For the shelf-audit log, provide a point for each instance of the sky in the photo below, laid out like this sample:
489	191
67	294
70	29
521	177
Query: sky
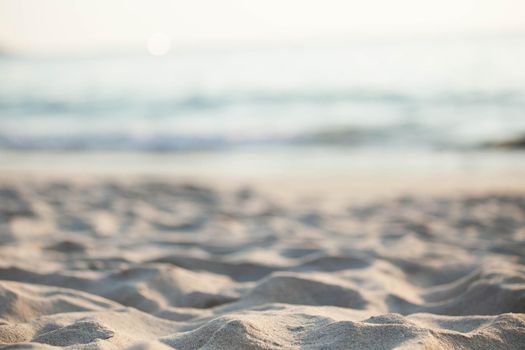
65	26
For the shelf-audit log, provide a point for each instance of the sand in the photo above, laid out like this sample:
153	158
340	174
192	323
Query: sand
158	264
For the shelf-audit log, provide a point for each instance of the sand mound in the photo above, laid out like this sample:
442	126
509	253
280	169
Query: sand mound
157	265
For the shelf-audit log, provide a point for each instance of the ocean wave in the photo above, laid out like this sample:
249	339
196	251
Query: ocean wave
401	136
173	105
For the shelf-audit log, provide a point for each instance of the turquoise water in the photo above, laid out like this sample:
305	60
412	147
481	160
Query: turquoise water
452	95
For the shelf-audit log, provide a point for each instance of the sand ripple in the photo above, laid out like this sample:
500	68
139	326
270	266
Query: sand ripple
156	265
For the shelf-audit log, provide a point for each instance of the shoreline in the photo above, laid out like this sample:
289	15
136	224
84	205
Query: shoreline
362	175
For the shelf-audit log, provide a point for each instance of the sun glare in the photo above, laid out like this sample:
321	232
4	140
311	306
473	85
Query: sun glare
159	44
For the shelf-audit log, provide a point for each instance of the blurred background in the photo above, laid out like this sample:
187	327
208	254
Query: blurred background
263	87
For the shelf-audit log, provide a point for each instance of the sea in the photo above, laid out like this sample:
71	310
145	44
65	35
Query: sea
350	99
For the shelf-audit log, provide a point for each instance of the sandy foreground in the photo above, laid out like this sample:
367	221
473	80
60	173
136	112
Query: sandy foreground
108	263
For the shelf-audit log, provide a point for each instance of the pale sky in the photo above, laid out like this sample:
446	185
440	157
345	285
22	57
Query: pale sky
49	26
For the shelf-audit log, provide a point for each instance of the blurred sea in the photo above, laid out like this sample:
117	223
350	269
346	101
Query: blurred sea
452	95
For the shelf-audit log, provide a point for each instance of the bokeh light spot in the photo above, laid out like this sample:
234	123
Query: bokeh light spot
159	44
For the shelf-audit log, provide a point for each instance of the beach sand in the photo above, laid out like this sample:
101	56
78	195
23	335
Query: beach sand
113	263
